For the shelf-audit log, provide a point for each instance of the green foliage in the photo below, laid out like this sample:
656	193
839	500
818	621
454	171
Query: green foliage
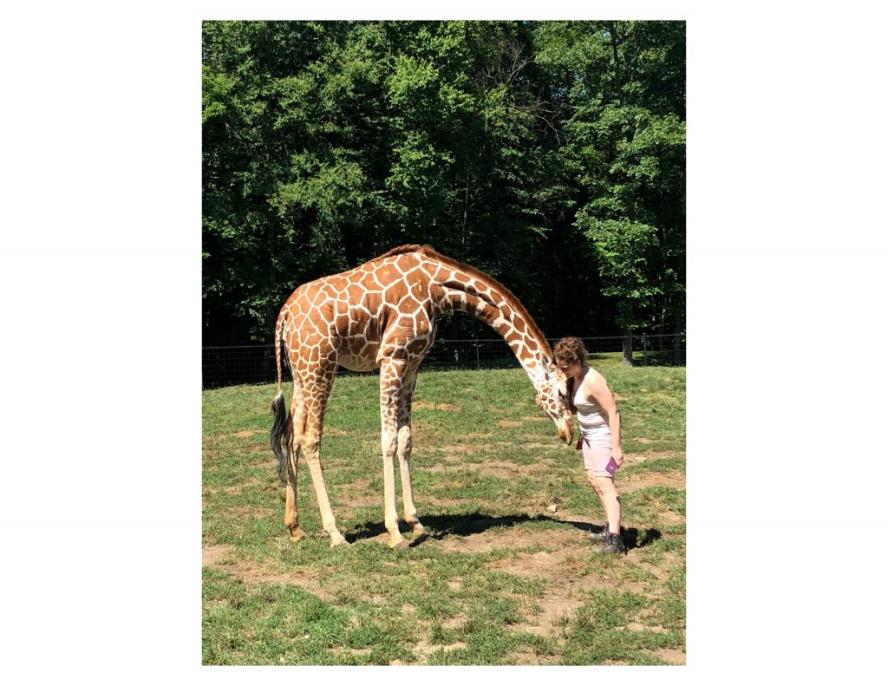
545	153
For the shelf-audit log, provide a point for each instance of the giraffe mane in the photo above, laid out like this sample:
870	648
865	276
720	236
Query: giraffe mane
510	297
402	249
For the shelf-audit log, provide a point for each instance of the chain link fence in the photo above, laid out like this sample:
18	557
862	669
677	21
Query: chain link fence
252	364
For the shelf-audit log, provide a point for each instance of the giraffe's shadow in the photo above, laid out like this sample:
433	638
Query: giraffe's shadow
439	527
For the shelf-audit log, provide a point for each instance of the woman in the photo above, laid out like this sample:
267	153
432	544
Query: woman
596	410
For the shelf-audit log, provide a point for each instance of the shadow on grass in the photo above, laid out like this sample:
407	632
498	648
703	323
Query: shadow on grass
439	527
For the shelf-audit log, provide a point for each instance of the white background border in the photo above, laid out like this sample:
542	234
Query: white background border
100	267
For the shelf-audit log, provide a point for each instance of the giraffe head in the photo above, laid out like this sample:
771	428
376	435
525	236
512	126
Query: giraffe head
551	398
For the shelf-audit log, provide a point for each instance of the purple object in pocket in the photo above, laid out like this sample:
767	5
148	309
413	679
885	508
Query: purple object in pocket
611	466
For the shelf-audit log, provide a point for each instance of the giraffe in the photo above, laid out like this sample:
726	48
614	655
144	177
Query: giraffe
382	314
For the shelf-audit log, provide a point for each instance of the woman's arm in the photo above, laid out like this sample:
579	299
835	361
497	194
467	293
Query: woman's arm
596	388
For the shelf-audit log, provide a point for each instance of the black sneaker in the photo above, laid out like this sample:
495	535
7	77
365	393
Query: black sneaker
595	536
612	543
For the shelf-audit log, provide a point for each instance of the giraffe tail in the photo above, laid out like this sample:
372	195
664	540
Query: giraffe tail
282	428
280	434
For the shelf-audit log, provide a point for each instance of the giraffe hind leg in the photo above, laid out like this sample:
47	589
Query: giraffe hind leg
316	395
294	449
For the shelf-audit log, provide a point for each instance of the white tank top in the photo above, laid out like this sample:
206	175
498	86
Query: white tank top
590	416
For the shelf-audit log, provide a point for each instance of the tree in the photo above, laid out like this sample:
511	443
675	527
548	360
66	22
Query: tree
625	140
549	154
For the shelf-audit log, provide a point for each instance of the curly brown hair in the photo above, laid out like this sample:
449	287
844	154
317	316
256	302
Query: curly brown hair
571	350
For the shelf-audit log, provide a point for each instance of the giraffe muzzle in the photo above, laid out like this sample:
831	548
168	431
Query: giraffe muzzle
565	430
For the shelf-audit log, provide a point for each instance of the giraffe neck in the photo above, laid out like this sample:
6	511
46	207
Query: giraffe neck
469	290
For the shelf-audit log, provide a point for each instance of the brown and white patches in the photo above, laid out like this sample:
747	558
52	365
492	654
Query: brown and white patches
381	312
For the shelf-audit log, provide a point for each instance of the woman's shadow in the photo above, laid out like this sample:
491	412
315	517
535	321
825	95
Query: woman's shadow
440	527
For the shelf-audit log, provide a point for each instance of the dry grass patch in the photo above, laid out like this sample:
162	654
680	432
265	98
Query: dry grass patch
670	655
635	482
254	483
219	557
498	538
449	407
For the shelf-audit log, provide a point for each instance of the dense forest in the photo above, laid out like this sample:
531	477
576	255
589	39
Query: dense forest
549	154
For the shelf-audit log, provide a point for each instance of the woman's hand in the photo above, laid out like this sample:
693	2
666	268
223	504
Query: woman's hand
617	454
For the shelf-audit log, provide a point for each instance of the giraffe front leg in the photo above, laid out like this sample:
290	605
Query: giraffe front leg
405	446
389	448
312	457
391	377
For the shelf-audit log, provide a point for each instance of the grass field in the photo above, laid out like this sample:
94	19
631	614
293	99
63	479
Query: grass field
501	579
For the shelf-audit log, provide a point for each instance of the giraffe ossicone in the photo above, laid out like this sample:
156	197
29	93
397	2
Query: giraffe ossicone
382	314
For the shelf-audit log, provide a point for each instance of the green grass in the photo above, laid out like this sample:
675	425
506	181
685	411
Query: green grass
500	579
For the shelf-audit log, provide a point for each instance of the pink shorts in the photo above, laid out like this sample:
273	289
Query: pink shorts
595	457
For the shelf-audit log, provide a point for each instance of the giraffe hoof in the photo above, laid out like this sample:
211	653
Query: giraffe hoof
296	535
338	541
399	543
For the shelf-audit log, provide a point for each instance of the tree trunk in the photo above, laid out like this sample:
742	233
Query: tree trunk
627	348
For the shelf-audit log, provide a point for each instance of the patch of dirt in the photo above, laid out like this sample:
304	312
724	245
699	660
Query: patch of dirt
498	538
644	457
461	449
672	656
339	651
423	650
525	656
670	518
244	434
220	557
330	431
422	405
249	512
257	484
635	482
563	560
214	554
634	626
358	494
509	423
454	622
498	469
555	610
670	560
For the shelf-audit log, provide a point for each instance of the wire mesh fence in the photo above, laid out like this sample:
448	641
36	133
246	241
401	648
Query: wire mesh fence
251	364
